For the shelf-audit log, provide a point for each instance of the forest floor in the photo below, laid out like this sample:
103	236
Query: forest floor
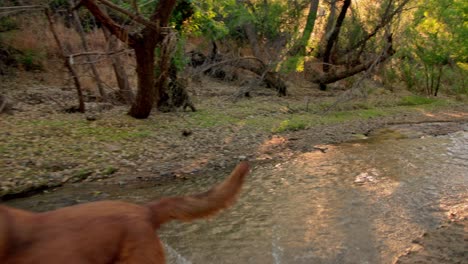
42	146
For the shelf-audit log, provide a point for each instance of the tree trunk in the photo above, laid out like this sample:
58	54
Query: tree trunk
146	95
300	47
328	27
120	74
330	78
251	33
80	31
68	65
252	38
143	42
331	42
439	77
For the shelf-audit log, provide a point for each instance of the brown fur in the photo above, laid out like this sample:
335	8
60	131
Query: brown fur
108	231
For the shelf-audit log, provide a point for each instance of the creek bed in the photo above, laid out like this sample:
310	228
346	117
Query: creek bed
359	202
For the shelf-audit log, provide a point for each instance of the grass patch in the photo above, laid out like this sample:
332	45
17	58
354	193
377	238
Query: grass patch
207	119
110	133
80	129
371	113
416	100
305	121
82	174
109	170
293	124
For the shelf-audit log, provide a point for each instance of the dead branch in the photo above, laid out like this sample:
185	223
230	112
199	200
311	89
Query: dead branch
9	8
333	77
13	10
348	95
251	86
98	53
230	61
386	19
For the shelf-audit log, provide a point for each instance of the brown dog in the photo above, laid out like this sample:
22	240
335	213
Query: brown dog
108	231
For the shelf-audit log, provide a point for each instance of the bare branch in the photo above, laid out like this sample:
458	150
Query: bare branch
386	19
333	77
136	18
205	69
118	30
8	8
98	53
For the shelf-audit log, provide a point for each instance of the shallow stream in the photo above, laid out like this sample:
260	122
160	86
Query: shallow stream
359	202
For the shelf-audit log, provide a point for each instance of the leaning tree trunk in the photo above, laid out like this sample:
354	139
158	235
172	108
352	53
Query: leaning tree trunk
67	62
336	76
300	47
117	64
79	29
125	91
331	42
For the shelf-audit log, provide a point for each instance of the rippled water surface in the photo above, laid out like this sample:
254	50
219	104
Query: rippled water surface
360	202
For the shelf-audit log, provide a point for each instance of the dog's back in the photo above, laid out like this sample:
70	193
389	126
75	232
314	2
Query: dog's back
107	231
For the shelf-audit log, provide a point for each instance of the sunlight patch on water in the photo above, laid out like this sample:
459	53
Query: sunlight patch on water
173	256
276	250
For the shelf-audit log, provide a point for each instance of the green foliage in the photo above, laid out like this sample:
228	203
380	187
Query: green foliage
408	74
7	24
293	64
218	19
455	78
437	37
31	60
183	11
208	19
269	19
179	59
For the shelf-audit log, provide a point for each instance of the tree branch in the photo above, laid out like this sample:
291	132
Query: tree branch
386	19
119	31
8	8
136	18
330	78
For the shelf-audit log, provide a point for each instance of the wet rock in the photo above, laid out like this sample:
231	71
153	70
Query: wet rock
366	177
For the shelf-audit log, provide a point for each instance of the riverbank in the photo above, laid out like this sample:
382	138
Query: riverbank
42	146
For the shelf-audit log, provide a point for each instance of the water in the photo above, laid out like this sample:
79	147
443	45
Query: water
360	202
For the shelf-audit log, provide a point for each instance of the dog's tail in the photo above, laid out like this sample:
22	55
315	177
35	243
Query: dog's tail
187	208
